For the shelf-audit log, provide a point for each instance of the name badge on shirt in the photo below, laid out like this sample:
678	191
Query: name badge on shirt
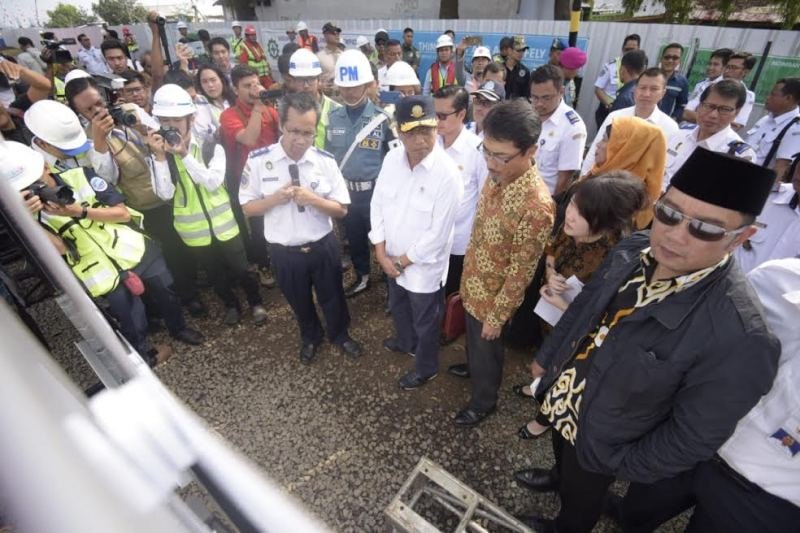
786	440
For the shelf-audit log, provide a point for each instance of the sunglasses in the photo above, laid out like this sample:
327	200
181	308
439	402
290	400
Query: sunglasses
699	229
443	116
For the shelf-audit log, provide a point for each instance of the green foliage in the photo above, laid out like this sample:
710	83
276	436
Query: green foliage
116	12
68	16
678	11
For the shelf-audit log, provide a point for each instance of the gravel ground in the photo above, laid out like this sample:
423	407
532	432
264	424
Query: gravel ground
340	435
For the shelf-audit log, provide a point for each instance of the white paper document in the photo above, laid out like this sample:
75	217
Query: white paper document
552	314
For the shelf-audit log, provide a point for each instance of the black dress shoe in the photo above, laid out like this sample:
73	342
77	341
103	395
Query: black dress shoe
537	523
412	380
470	417
189	336
460	370
393	345
537	479
352	348
517	389
307	353
525	434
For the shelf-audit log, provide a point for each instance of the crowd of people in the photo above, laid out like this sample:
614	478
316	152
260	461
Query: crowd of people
668	245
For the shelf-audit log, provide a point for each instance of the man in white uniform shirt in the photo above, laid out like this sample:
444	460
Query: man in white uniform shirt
776	136
719	105
563	136
298	189
650	89
91	57
714	68
461	145
781	236
413	211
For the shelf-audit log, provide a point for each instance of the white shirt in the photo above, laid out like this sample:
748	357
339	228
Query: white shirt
752	450
561	144
744	113
413	211
767	129
267	170
668	126
682	144
209	177
781	237
93	61
206	118
382	78
700	86
608	79
472	166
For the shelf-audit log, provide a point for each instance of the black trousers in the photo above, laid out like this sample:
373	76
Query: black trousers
319	268
251	229
582	493
158	223
600	114
226	264
418	322
356	227
724	501
454	272
485	360
129	310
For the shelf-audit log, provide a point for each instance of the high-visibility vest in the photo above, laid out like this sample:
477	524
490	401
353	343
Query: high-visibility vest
199	212
261	66
236	45
438	80
60	90
103	248
327	106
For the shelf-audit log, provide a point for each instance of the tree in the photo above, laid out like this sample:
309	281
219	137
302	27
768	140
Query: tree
116	12
68	16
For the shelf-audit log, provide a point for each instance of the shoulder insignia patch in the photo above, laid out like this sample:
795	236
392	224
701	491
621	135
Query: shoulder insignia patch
260	151
578	135
323	152
572	116
98	184
737	147
687	126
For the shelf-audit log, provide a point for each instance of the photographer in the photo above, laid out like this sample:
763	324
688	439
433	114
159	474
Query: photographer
193	177
125	149
100	238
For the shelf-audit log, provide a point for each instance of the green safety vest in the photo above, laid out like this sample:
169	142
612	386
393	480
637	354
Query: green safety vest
103	248
328	105
198	212
236	45
262	67
60	89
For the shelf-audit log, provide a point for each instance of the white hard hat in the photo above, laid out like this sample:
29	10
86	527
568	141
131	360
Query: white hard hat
56	124
444	40
75	74
301	26
181	25
401	74
361	41
20	165
482	51
236	23
352	69
172	101
304	63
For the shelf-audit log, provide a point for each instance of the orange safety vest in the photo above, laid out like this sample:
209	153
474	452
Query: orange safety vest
438	81
309	44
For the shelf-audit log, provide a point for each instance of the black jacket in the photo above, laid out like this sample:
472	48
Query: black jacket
670	382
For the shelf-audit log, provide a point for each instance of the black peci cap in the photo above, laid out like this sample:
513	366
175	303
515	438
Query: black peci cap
414	111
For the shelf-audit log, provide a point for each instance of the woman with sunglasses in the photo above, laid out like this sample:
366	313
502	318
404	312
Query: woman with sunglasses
638	147
215	97
598	215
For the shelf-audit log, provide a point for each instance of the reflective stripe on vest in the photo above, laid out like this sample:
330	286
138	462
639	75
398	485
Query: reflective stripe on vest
236	45
324	117
617	66
60	89
99	245
262	67
438	81
197	211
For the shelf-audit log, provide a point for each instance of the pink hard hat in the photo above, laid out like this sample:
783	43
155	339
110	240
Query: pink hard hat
250	29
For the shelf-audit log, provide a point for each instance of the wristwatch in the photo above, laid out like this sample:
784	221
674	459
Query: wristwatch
84	211
399	266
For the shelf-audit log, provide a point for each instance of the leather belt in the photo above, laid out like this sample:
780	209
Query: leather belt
302	248
359	186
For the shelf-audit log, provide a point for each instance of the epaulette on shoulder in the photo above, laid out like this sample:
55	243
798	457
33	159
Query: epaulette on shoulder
738	147
260	151
572	116
323	152
687	126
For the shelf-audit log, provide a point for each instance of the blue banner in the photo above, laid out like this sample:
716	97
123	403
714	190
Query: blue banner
535	56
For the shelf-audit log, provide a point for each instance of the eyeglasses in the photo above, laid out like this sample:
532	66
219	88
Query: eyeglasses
733	67
699	229
303	134
721	109
304	81
671	58
500	158
133	90
443	116
546	98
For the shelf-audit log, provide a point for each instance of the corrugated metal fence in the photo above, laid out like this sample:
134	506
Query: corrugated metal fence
605	39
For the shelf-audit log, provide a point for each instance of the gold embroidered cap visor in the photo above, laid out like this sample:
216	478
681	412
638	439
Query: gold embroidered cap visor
414	111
